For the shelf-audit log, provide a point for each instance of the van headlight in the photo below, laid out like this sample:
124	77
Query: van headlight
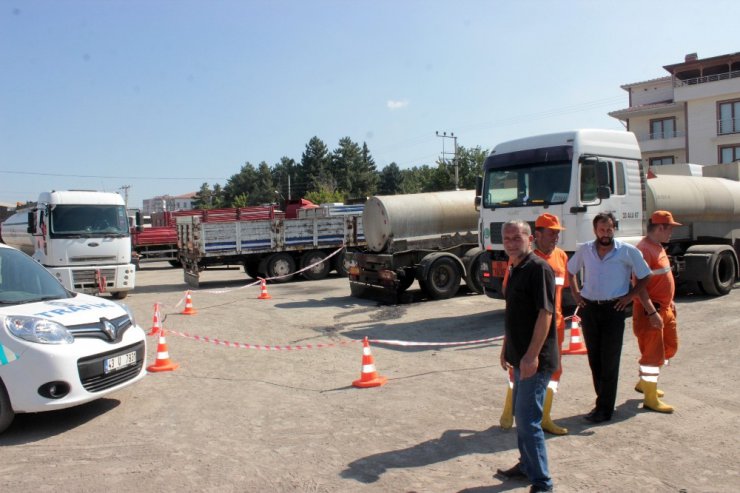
130	313
39	330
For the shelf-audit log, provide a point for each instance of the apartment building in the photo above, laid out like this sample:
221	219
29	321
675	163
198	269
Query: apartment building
168	203
689	116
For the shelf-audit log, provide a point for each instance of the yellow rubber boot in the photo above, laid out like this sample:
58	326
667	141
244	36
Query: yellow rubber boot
547	424
638	388
651	400
507	416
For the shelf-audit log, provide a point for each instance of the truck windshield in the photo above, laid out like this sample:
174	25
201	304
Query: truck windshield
23	280
89	220
528	184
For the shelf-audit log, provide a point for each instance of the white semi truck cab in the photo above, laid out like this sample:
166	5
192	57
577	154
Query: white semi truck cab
81	237
576	175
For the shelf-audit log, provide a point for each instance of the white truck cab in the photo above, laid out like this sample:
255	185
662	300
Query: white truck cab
82	237
59	348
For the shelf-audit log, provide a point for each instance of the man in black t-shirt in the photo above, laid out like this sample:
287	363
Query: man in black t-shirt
530	347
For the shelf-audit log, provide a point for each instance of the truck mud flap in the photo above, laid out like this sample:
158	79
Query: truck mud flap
192	280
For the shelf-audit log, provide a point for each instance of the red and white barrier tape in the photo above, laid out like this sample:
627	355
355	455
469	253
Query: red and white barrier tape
263	347
241	345
410	343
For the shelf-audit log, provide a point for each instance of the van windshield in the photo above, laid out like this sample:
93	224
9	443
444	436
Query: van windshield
23	280
89	220
527	185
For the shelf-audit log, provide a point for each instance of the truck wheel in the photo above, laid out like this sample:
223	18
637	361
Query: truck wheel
6	410
473	269
405	281
317	272
251	267
281	266
340	264
119	295
721	274
442	280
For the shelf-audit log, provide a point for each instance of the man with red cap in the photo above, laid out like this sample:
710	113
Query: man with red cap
547	230
654	313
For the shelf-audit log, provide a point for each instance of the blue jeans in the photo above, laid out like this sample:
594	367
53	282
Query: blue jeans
528	398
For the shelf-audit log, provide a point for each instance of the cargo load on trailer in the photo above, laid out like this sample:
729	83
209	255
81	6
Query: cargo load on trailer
429	237
270	243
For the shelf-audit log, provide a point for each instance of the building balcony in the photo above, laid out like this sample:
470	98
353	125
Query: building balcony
661	141
706	78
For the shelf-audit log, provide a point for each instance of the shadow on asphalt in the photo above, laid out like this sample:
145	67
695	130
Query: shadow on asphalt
32	427
457	443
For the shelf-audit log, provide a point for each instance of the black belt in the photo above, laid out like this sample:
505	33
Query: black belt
601	302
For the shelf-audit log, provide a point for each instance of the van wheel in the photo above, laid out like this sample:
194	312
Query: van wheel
6	410
119	295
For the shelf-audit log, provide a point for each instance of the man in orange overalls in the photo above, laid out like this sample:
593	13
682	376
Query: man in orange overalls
547	230
654	313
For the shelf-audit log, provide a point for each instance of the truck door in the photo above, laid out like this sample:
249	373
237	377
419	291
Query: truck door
609	185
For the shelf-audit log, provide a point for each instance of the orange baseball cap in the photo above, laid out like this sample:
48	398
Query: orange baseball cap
548	221
663	217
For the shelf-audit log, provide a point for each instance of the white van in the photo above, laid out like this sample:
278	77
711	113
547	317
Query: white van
59	348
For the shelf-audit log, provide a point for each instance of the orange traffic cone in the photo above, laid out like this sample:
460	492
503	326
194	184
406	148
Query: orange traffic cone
576	344
189	310
156	322
369	376
163	362
264	295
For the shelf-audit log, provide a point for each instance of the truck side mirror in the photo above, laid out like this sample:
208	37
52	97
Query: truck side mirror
31	229
478	186
603	193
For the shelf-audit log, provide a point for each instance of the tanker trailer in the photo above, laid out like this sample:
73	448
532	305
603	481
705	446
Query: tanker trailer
429	237
706	247
14	232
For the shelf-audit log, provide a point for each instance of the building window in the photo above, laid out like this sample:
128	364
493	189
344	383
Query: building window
657	161
729	154
664	128
729	117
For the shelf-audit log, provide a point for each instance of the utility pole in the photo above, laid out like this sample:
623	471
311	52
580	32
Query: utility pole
125	194
452	136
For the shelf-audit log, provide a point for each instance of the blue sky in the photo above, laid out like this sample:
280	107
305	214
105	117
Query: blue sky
163	95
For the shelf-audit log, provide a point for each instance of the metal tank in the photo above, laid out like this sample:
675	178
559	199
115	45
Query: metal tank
416	216
695	199
14	232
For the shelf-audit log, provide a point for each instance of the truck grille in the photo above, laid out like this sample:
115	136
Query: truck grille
93	376
85	278
496	237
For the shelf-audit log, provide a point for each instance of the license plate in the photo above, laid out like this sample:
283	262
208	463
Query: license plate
118	362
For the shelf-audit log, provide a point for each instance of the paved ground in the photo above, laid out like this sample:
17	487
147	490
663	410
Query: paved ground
232	419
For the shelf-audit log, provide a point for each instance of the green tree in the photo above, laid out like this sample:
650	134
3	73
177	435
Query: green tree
325	195
391	180
240	183
470	166
203	198
241	200
284	174
218	200
364	176
313	172
344	160
264	190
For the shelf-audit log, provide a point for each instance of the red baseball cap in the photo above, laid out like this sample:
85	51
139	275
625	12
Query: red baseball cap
663	217
548	221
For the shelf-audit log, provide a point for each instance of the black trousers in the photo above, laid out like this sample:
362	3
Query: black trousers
603	332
